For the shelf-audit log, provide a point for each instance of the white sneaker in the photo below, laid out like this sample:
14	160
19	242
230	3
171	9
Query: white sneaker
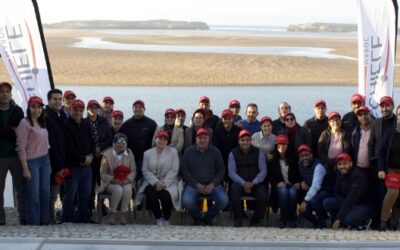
166	222
160	222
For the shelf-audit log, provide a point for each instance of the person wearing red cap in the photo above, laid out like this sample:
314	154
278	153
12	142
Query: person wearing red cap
350	120
389	171
278	125
10	116
161	184
360	138
107	108
352	204
247	170
197	122
80	150
234	106
313	184
317	124
117	119
264	139
55	119
251	123
203	172
32	146
140	130
210	120
378	129
68	97
225	137
117	173
180	119
102	137
285	179
175	134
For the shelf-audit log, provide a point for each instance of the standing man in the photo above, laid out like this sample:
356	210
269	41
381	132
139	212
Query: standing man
55	119
360	138
317	124
211	120
117	118
278	125
10	116
247	170
68	98
349	120
139	130
251	123
180	119
107	108
234	106
203	172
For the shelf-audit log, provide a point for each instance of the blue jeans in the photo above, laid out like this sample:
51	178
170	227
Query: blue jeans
77	185
357	215
315	205
191	195
287	200
37	191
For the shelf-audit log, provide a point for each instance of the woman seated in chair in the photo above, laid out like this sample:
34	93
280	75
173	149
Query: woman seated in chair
117	172
160	180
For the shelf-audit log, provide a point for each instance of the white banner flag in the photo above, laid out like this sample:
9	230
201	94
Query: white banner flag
377	29
23	49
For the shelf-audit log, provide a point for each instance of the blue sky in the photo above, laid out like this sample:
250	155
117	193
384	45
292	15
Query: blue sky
229	12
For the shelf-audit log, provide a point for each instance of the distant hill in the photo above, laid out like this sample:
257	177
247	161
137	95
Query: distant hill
322	27
112	24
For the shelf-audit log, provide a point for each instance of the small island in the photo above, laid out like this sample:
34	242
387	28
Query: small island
111	24
322	27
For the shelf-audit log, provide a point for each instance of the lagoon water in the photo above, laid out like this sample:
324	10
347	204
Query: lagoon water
158	99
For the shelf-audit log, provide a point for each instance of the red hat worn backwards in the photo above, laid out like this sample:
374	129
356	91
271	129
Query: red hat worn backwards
244	132
35	100
202	131
281	139
108	99
303	147
343	157
117	113
77	104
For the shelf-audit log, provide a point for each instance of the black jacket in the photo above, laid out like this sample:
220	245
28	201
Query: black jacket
7	132
275	173
374	143
55	128
225	141
140	135
351	189
384	151
315	128
78	142
103	131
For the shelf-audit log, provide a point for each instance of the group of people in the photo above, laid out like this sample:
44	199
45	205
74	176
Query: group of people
345	170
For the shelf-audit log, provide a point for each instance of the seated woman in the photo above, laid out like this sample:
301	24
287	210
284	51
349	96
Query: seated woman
285	177
160	180
175	134
117	172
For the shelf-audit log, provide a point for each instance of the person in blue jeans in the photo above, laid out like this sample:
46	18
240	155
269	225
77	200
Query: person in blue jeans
32	146
285	176
351	206
80	148
203	171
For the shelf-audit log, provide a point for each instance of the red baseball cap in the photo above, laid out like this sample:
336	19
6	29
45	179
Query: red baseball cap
170	112
93	103
319	102
234	103
357	98
343	157
281	139
362	109
117	113
202	131
180	111
204	99
333	114
226	113
69	93
162	134
108	99
244	132
303	147
266	119
386	100
140	102
35	100
6	84
77	104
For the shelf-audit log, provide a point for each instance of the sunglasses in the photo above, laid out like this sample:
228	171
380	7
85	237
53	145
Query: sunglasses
121	142
289	119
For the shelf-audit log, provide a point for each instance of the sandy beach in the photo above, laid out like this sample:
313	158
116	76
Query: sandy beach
79	66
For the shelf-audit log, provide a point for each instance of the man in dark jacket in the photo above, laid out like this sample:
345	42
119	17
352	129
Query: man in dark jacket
203	172
247	170
349	120
10	116
317	124
80	149
210	118
55	119
278	125
139	130
351	206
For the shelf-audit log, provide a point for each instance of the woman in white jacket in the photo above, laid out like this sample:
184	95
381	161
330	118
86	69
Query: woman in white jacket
160	180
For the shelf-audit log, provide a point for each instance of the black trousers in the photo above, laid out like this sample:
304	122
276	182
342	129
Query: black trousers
259	192
153	200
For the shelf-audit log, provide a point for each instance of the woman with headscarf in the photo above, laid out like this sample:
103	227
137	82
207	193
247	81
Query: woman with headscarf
117	172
